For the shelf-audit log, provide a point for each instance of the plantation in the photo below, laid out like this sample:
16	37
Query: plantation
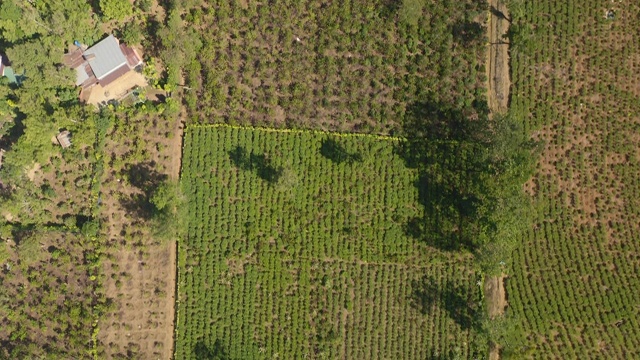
574	284
352	65
296	246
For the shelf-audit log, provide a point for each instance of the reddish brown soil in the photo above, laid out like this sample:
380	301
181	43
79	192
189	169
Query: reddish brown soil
141	270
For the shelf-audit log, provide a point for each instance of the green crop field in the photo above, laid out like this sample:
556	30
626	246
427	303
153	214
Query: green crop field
296	248
574	286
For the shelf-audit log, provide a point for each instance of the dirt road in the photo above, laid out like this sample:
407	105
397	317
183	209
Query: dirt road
498	57
498	84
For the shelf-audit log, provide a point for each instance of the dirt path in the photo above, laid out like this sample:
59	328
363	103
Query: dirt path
496	298
496	295
174	173
498	84
498	57
176	147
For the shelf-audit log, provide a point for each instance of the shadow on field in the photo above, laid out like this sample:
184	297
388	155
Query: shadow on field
457	301
145	178
337	153
261	164
216	352
468	33
445	147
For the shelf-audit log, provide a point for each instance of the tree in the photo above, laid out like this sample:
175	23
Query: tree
116	9
410	11
17	22
166	200
164	197
471	171
132	33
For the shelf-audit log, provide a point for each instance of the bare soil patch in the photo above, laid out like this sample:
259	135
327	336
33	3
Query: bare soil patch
31	173
494	351
117	89
495	295
498	81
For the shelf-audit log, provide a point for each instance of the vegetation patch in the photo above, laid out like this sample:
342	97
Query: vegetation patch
354	65
317	261
573	287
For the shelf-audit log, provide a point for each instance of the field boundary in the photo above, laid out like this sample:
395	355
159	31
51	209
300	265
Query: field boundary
182	128
498	99
295	131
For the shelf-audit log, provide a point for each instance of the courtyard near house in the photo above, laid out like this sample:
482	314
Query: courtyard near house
116	90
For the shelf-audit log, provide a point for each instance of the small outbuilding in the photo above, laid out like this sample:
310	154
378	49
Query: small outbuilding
64	139
7	71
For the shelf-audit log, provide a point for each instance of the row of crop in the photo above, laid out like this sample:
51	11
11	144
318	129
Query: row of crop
572	275
357	42
234	202
251	277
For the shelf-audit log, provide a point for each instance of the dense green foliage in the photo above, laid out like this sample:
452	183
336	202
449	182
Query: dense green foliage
116	9
472	169
296	245
353	65
574	282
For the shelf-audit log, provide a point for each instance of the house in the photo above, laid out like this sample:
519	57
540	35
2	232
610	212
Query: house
64	139
102	64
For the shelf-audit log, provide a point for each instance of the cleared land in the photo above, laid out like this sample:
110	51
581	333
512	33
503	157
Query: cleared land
574	286
296	247
139	268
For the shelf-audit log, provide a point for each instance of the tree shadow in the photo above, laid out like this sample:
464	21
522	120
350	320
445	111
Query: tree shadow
457	301
337	153
216	352
498	13
152	43
139	206
260	163
469	32
447	147
145	178
13	133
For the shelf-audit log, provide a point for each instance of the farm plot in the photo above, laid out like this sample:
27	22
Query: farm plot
576	71
295	247
352	65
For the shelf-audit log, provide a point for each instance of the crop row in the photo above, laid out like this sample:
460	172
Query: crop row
574	275
313	262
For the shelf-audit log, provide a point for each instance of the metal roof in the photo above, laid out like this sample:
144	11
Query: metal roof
107	57
82	75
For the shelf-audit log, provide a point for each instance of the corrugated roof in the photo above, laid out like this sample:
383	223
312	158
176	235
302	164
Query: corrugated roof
114	75
82	75
108	57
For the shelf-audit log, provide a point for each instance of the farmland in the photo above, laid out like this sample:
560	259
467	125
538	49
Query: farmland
573	287
296	246
352	65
